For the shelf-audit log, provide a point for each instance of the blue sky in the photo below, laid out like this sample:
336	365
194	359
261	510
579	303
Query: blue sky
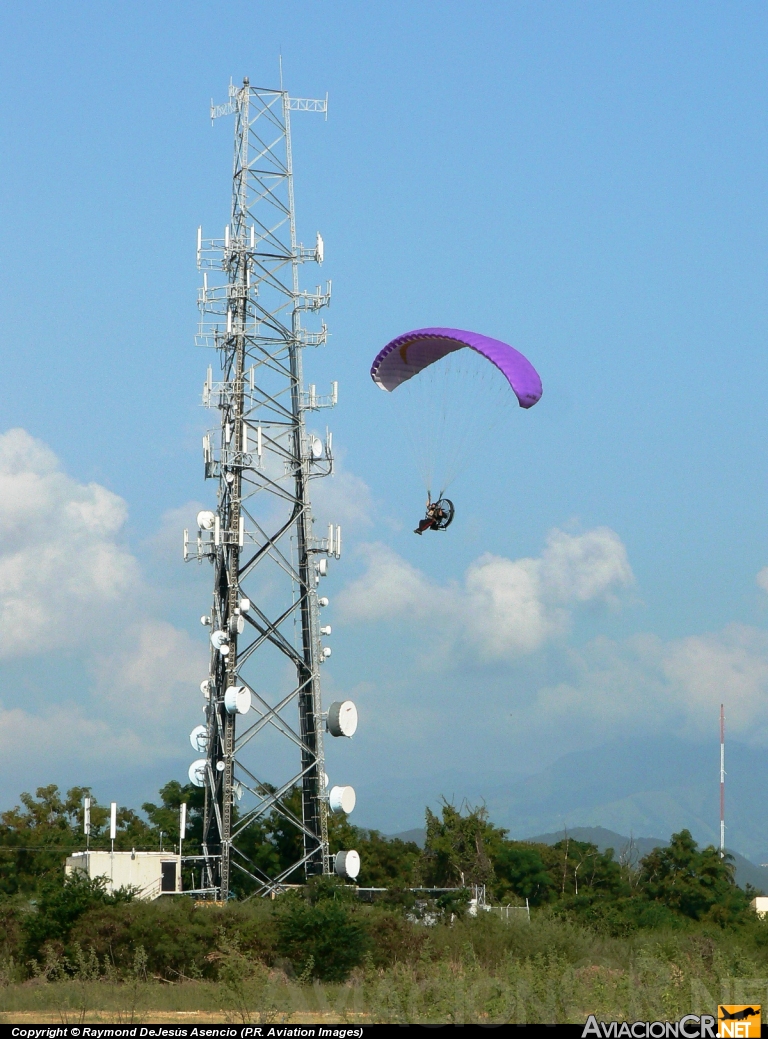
585	181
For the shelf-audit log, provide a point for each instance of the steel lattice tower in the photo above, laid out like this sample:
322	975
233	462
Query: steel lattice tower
267	562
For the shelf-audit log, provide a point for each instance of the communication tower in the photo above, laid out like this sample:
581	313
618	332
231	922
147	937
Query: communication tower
267	561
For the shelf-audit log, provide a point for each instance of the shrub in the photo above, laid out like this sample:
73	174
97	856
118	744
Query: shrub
320	932
393	938
61	905
177	937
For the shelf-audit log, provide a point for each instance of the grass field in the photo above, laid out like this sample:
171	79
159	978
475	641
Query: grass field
486	972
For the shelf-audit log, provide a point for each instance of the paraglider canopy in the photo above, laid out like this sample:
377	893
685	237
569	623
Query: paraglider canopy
409	354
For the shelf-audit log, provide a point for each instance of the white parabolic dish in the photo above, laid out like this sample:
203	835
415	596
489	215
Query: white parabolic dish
342	718
237	699
197	772
342	799
199	738
206	520
347	864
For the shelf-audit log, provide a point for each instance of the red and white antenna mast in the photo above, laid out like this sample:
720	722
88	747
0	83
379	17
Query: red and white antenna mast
722	781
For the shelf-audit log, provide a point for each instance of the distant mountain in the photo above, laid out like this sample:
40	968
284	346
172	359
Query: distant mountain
746	872
641	786
644	787
604	839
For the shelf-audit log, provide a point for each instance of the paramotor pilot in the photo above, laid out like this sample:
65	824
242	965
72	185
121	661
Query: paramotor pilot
438	516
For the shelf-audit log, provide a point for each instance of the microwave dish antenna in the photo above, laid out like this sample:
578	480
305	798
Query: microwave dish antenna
342	799
268	562
346	864
197	772
342	718
199	738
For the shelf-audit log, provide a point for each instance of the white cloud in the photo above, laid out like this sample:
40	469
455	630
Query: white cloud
730	667
585	567
504	608
342	498
165	543
646	684
612	687
65	732
389	589
506	611
152	671
62	567
67	581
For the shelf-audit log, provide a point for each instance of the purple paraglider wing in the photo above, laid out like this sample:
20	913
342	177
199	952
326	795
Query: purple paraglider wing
409	354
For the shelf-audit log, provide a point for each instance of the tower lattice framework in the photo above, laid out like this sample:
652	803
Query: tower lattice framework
266	560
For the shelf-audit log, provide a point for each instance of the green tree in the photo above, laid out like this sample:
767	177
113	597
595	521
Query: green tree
36	836
459	847
520	872
692	882
384	862
166	815
577	868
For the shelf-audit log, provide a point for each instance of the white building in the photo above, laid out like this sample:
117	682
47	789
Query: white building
153	873
760	905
